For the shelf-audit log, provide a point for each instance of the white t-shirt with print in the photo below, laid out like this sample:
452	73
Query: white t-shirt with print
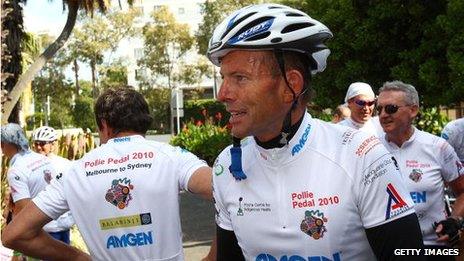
28	174
454	134
426	162
312	199
124	197
371	126
62	165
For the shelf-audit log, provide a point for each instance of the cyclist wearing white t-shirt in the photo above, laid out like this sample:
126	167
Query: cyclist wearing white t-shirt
453	133
124	195
28	172
292	187
44	141
426	162
360	99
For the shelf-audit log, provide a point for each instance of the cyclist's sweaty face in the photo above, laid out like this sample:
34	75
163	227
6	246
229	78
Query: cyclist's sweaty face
253	95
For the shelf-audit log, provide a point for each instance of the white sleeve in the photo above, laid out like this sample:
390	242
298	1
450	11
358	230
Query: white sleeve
451	167
381	192
52	200
187	163
18	180
221	178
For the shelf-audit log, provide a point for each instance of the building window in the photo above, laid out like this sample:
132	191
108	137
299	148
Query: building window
181	11
138	53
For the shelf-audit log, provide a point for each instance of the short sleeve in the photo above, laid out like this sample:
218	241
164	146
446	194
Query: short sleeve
52	200
451	167
221	178
187	163
18	180
382	195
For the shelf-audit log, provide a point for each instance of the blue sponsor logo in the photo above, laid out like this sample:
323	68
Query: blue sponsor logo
269	257
123	139
302	141
445	136
419	197
255	30
130	240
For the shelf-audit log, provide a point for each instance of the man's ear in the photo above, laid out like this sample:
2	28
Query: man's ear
295	81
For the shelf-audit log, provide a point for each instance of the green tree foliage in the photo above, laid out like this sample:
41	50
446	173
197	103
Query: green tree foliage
418	42
83	114
431	121
158	101
52	86
166	43
213	13
99	35
113	74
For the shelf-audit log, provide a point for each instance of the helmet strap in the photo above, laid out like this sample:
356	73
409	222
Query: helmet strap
279	54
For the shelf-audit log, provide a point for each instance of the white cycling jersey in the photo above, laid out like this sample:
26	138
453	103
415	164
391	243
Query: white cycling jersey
372	126
28	174
61	165
454	134
426	162
124	197
312	199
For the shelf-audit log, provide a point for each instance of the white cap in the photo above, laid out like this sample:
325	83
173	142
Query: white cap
358	88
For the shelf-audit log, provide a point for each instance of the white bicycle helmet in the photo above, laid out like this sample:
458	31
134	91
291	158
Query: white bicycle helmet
271	27
44	133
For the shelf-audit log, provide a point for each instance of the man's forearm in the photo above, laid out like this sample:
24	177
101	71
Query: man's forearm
43	246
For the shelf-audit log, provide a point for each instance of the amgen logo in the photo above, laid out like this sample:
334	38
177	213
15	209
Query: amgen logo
269	257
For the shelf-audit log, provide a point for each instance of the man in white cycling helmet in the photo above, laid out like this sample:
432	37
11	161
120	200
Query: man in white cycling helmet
124	195
360	98
426	163
292	187
453	132
28	172
44	142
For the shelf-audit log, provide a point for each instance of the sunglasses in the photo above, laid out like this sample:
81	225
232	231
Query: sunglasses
41	143
362	103
389	108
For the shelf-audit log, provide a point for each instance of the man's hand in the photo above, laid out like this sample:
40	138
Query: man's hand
449	230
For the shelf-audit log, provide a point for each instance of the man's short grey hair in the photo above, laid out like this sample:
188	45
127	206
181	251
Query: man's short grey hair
412	97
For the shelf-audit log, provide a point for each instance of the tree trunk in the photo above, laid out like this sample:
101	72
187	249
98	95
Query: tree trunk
93	68
11	58
76	75
29	75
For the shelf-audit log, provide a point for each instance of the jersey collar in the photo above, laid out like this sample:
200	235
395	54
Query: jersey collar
125	139
289	152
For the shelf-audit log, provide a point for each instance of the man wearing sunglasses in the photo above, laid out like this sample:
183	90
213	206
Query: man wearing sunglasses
361	100
44	139
426	162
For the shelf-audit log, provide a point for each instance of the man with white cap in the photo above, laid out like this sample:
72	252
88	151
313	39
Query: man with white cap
361	100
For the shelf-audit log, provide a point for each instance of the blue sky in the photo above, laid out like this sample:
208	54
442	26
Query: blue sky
44	15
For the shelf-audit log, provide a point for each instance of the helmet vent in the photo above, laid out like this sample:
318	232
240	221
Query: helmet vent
275	7
258	36
295	27
276	40
235	23
293	14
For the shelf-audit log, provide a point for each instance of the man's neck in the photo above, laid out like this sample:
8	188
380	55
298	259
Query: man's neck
401	136
275	142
